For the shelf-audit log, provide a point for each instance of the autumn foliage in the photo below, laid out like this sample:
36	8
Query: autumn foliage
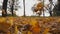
37	24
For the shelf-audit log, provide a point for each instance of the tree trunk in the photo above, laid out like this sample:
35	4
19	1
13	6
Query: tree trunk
12	7
24	6
57	9
4	8
50	11
12	10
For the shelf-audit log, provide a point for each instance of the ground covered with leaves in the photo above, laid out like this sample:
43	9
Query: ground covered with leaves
32	25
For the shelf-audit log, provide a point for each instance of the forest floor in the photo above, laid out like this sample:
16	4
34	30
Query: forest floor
43	25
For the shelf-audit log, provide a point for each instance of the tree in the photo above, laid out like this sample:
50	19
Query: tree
50	11
0	7
56	10
4	8
24	6
58	5
38	8
13	6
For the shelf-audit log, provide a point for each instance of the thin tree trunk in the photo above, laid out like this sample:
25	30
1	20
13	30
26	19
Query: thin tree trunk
43	9
50	11
12	7
4	8
12	10
24	7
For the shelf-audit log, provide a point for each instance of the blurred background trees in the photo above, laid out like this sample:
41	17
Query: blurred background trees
13	6
38	8
53	9
56	10
9	7
4	8
42	7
